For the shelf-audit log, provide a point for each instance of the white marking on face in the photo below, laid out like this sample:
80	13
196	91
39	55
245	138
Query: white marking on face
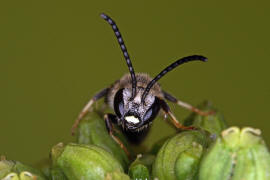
132	119
137	99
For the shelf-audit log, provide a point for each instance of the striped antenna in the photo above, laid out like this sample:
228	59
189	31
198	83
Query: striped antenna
124	50
169	68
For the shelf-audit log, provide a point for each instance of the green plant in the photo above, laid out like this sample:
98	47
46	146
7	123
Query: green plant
211	151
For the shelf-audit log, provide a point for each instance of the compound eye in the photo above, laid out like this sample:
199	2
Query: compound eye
119	103
152	112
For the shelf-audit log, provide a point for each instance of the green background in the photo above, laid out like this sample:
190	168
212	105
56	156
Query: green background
54	55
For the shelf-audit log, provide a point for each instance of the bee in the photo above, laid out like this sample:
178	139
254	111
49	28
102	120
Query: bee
137	98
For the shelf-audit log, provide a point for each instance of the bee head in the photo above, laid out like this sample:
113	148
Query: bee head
133	113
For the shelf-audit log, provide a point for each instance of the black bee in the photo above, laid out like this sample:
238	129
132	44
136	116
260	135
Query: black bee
137	98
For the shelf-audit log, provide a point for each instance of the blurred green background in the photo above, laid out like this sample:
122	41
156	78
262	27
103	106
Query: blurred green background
54	55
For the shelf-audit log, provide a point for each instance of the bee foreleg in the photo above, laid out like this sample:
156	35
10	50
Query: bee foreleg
175	122
109	119
87	108
171	98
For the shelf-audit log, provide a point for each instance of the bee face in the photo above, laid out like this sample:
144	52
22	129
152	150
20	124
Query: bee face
134	114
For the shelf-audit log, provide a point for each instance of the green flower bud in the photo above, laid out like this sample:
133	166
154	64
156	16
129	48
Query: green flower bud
19	168
117	176
9	168
139	169
84	161
92	130
11	176
139	172
213	123
5	167
27	176
186	165
237	155
179	157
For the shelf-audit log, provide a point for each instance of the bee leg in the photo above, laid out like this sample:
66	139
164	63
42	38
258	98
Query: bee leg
175	122
109	119
169	97
87	107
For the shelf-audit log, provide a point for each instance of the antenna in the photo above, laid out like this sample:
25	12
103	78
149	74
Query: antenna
124	50
169	68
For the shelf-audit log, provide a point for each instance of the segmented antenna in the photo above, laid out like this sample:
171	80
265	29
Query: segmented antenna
124	50
169	68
